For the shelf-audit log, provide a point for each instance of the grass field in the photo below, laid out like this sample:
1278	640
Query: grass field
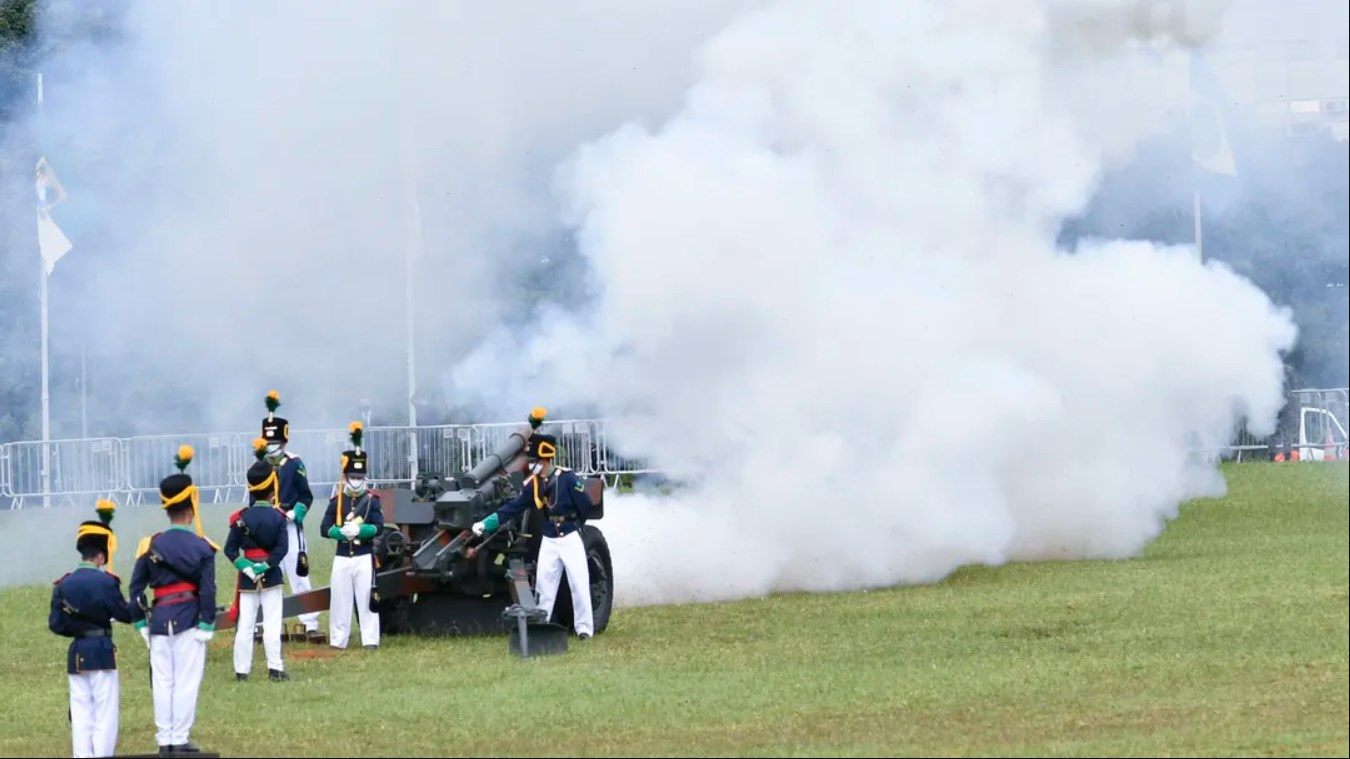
1229	637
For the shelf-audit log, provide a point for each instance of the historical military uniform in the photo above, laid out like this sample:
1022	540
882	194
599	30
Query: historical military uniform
84	605
354	517
178	565
295	499
256	546
561	494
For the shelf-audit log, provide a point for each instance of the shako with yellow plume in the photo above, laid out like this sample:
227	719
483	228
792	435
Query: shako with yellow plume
276	430
97	534
262	476
178	491
354	469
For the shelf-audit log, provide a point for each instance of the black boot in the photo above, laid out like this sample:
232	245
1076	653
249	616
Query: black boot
240	677
277	675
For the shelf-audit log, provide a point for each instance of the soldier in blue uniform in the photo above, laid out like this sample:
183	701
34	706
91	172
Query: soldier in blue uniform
563	494
179	566
258	532
85	603
295	499
353	518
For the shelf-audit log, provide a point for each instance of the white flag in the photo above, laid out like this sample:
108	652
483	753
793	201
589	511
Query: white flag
52	242
1210	148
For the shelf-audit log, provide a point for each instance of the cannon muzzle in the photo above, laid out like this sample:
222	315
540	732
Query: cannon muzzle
497	462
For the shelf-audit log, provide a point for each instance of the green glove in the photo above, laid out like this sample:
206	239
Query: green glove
204	626
335	533
242	563
142	623
300	510
490	524
366	532
260	568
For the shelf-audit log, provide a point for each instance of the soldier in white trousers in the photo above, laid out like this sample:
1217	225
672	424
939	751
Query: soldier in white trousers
353	519
295	498
85	603
256	545
562	494
179	566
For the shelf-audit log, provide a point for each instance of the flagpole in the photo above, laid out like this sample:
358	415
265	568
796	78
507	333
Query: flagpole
46	408
412	245
46	400
1195	211
84	398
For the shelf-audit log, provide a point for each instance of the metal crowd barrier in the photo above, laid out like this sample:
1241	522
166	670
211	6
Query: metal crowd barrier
128	470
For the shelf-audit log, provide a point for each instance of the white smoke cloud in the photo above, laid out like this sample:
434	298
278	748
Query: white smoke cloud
240	182
827	297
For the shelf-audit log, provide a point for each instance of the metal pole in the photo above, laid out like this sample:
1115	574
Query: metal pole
46	409
409	309
84	402
412	248
46	405
1199	235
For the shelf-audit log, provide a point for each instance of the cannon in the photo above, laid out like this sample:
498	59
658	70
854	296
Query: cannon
434	577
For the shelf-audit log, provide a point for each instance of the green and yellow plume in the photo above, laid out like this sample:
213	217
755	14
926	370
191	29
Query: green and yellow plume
355	430
537	415
273	402
183	457
259	448
105	509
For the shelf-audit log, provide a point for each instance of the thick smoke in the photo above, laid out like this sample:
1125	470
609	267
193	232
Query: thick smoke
241	189
827	300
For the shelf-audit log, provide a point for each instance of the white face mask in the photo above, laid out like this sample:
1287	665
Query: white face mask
355	487
273	451
537	467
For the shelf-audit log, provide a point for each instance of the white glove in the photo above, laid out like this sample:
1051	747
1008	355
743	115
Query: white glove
478	528
145	633
351	530
250	574
205	635
291	515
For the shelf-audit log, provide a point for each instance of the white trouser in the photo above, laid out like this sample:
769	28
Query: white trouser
351	583
298	584
178	662
249	602
94	713
555	555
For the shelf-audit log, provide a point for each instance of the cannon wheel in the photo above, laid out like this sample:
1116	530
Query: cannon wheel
602	583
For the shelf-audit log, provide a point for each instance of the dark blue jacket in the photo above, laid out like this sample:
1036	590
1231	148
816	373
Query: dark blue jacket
258	532
84	604
563	495
180	567
293	487
367	506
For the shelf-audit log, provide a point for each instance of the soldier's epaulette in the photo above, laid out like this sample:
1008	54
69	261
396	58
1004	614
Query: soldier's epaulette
58	580
144	546
116	580
211	543
234	518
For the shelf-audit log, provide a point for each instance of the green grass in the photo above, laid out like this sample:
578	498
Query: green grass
1228	637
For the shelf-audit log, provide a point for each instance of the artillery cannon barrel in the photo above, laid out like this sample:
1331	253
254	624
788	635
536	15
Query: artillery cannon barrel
508	450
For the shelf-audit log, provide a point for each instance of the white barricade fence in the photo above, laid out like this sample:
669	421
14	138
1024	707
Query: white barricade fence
89	468
129	470
215	464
